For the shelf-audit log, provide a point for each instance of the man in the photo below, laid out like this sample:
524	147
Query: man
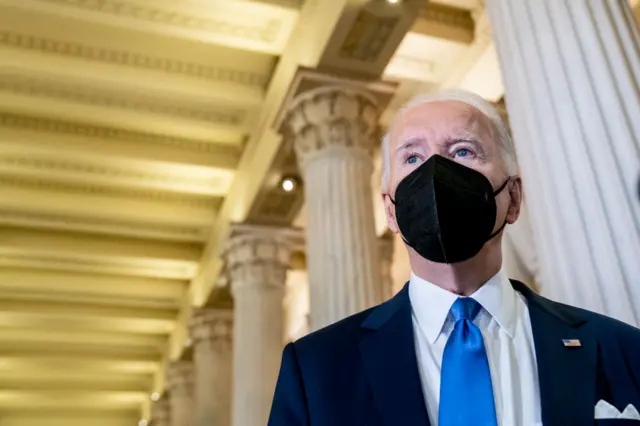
460	344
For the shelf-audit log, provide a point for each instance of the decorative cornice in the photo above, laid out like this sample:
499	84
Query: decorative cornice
132	59
368	36
61	263
68	128
86	94
180	378
332	116
156	196
212	325
105	226
448	15
108	170
154	13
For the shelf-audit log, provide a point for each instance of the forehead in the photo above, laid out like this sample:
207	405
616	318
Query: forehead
439	118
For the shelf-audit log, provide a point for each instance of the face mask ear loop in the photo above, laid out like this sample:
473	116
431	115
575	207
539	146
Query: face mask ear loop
504	224
401	236
498	231
502	187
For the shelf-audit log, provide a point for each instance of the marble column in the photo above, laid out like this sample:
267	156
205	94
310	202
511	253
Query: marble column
334	130
211	332
180	384
257	260
161	412
385	254
571	71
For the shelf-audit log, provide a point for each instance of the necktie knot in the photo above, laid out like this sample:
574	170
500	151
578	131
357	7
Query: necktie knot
465	308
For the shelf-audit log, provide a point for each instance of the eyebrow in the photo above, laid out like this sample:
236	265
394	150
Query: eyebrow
410	143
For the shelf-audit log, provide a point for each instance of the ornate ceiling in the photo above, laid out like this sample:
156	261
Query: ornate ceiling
132	134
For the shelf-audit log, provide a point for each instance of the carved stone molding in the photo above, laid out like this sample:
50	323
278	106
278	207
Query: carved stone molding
87	94
212	325
264	31
67	128
106	169
105	226
260	256
157	196
180	378
131	59
332	116
368	36
448	15
174	270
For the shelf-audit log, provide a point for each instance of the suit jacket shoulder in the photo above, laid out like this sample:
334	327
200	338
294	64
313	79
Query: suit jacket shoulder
607	329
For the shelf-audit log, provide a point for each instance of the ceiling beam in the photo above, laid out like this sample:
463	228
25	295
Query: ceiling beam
245	25
43	365
25	161
82	141
445	22
95	253
105	289
74	316
87	382
121	208
78	246
58	399
73	102
21	337
87	63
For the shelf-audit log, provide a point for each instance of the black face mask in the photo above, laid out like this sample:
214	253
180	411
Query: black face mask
446	211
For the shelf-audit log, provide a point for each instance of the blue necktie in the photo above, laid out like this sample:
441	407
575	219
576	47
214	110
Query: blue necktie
466	394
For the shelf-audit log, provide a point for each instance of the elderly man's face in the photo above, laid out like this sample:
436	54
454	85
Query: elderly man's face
456	131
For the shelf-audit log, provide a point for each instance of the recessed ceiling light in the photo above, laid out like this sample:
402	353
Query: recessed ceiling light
142	422
393	1
288	184
155	396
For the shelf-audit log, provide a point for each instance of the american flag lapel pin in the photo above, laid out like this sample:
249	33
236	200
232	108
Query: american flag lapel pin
571	343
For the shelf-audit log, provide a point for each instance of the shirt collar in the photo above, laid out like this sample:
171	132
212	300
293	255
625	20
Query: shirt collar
431	304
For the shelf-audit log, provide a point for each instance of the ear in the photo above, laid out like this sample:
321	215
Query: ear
515	200
390	211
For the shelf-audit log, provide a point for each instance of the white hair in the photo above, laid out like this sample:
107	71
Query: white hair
498	129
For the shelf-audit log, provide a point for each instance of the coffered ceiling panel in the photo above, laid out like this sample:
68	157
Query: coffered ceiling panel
248	25
122	127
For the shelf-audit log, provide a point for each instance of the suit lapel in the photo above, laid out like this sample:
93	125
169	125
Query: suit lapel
389	359
567	374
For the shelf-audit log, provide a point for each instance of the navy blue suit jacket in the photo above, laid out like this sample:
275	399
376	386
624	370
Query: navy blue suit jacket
363	369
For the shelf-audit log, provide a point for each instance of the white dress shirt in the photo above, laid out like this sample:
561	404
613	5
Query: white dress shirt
506	329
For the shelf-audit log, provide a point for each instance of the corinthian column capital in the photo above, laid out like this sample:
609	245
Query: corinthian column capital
332	117
259	256
180	378
212	325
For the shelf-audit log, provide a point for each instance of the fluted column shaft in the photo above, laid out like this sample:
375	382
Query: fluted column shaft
180	384
257	260
334	130
571	72
161	412
211	332
385	255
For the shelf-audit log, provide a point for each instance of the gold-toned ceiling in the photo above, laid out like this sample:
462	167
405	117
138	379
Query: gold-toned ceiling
132	133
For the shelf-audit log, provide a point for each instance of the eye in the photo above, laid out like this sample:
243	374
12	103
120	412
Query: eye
463	153
412	159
